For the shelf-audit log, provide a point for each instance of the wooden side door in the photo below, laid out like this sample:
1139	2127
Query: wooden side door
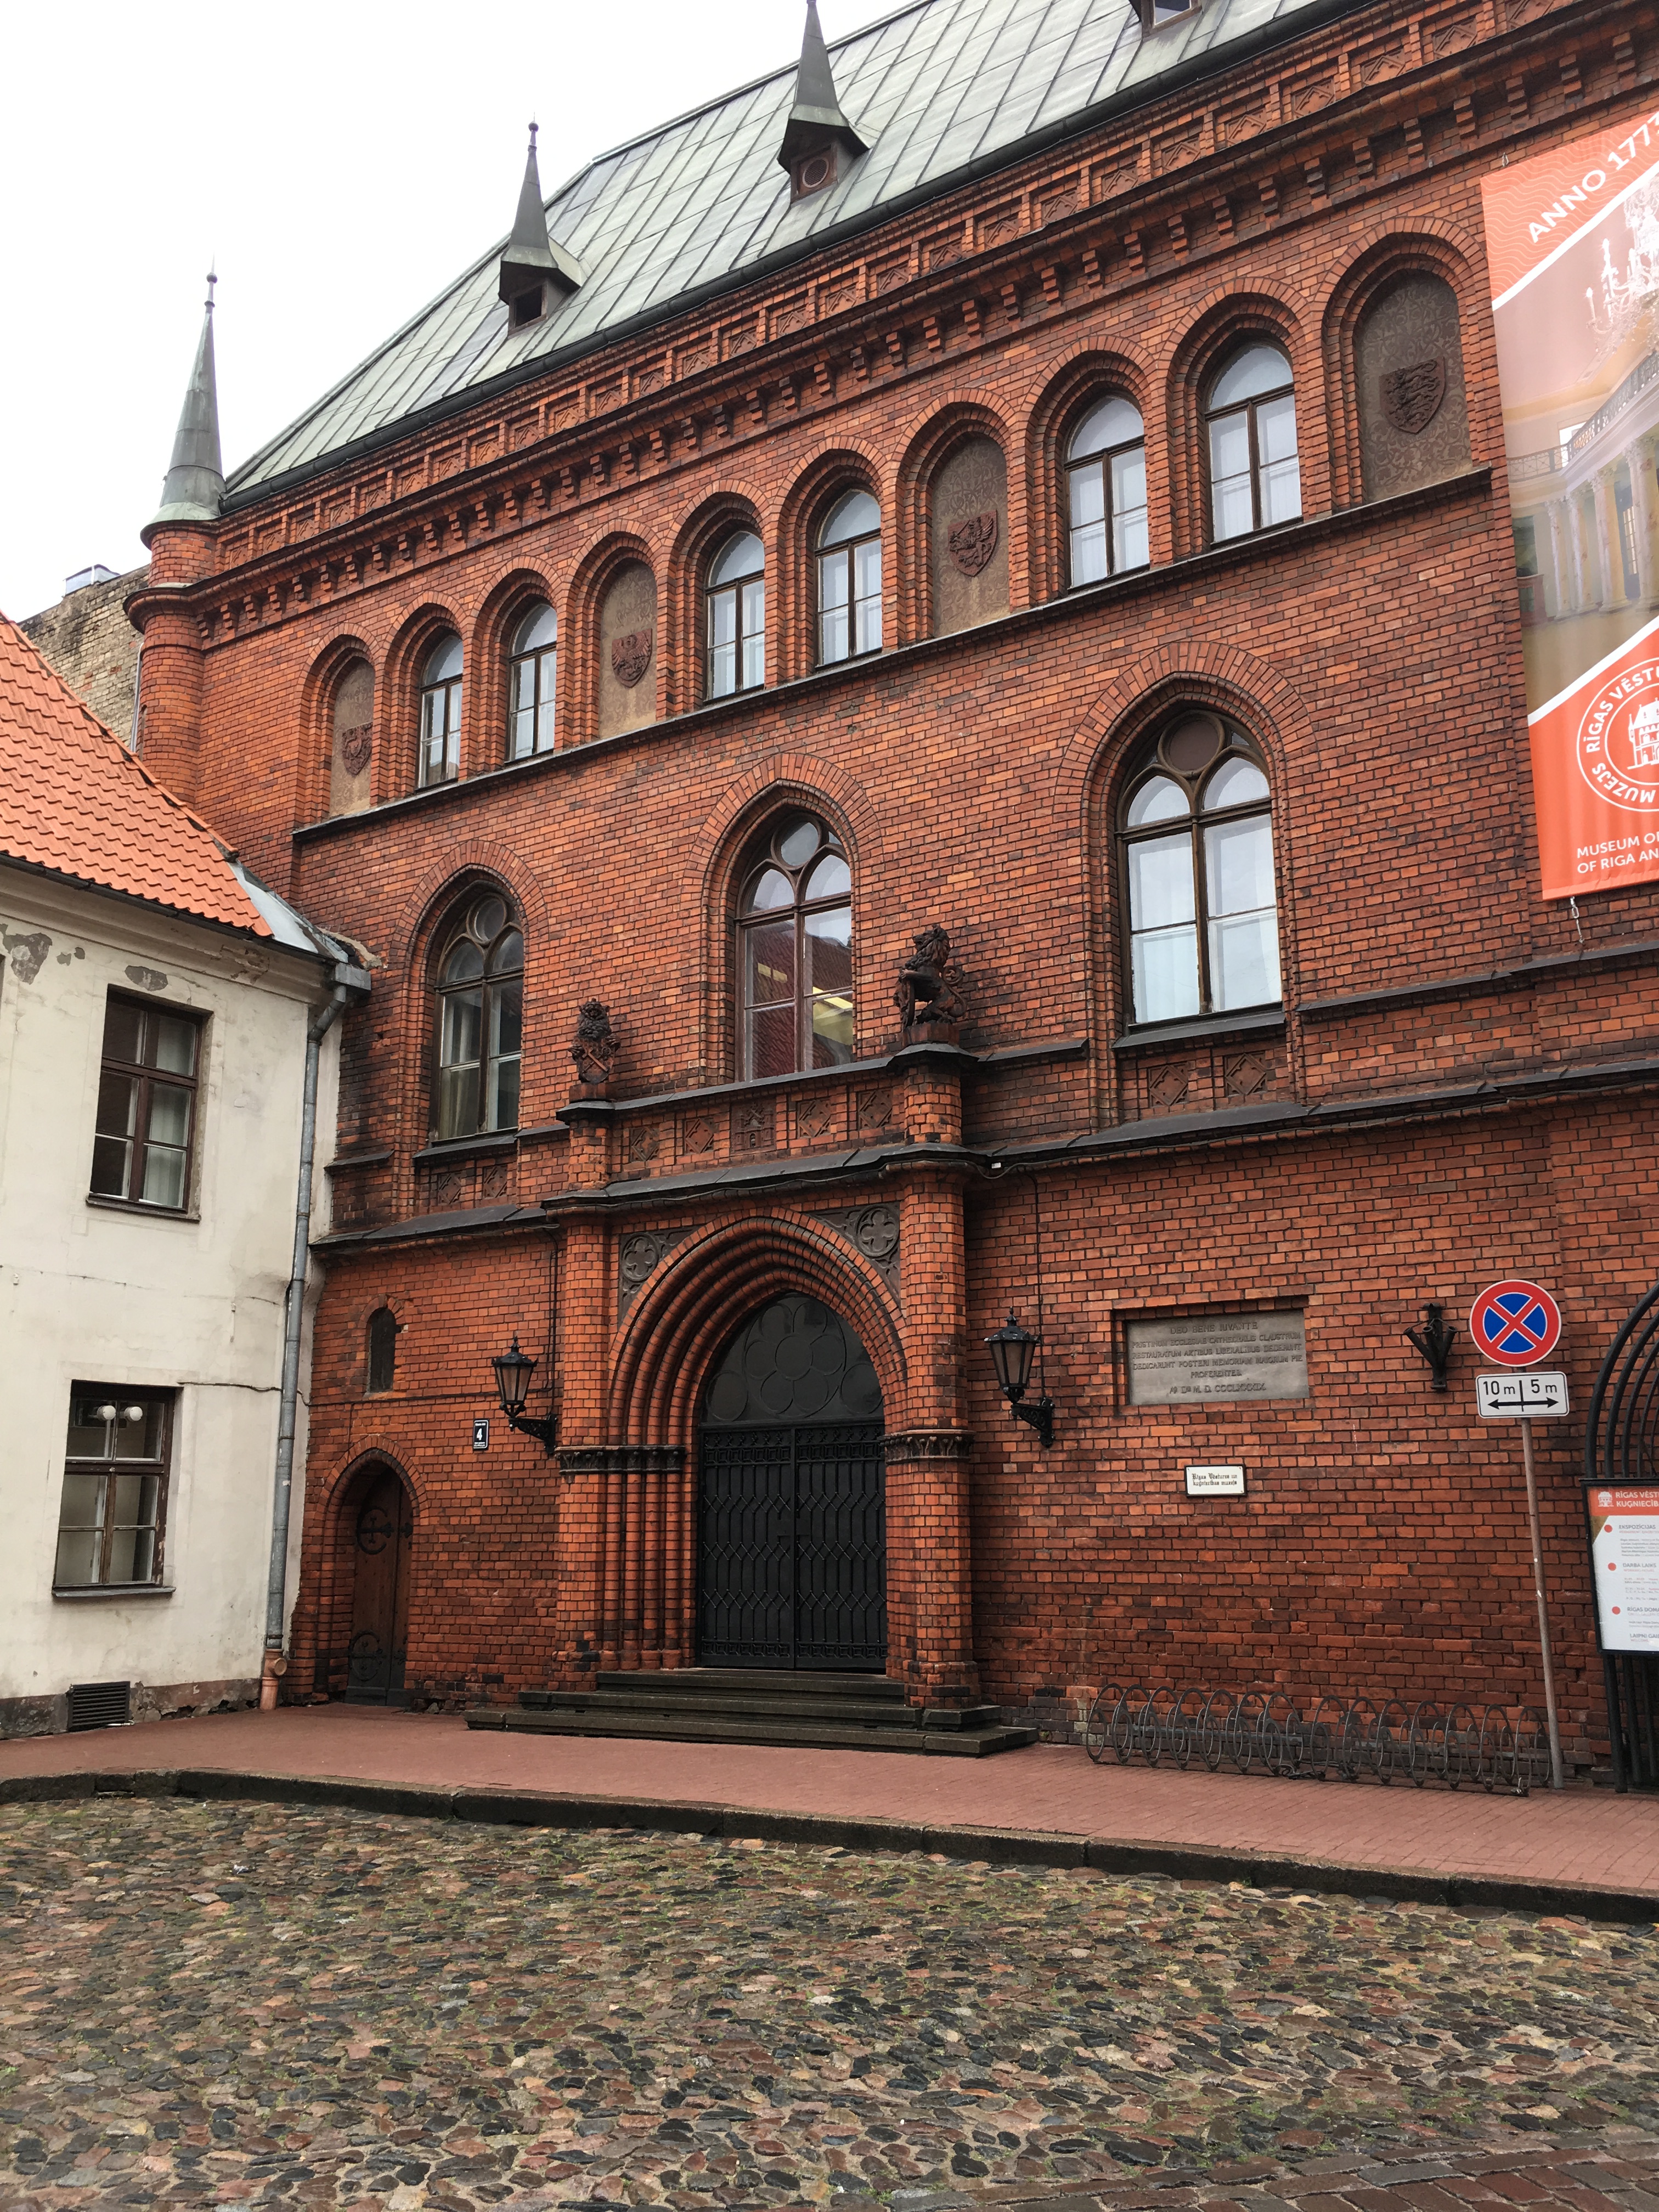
380	1606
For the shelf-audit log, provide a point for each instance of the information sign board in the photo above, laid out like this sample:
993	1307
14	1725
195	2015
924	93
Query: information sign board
1514	1323
481	1435
1625	1551
1535	1393
1216	1356
1215	1482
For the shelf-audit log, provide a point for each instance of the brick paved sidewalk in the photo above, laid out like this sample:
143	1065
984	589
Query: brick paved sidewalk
1591	1838
1556	2177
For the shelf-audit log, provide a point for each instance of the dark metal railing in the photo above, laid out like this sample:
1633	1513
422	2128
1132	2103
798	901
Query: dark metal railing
1266	1731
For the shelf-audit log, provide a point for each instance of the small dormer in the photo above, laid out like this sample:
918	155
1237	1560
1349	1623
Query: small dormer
1153	14
819	143
535	272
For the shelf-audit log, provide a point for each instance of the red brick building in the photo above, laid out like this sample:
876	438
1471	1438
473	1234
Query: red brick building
1003	506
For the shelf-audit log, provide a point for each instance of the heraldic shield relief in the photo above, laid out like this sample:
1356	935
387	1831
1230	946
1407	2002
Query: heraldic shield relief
1572	243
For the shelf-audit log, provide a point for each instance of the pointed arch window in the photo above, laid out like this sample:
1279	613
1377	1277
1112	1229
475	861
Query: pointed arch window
1106	483
737	616
849	579
795	951
531	682
1197	841
480	1020
1256	477
440	711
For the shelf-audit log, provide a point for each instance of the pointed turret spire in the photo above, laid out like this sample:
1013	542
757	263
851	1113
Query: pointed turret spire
816	122
531	261
195	486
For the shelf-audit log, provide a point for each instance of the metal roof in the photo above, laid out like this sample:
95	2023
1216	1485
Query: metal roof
938	91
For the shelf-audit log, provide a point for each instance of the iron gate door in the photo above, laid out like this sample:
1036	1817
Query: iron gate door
792	1550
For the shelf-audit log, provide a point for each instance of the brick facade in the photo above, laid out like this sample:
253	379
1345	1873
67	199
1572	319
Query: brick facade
1460	1085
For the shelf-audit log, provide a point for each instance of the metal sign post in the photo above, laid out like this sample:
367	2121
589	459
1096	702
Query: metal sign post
1514	1323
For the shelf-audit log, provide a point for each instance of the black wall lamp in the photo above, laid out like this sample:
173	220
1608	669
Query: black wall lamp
514	1369
1434	1340
1013	1350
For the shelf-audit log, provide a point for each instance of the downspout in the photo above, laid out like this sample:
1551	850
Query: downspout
276	1665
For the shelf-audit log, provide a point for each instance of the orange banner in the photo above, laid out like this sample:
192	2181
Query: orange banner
1572	241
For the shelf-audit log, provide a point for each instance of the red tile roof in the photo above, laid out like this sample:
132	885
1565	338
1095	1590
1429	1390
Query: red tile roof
75	801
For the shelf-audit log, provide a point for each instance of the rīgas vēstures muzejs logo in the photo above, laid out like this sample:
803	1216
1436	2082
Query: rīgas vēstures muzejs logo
1618	745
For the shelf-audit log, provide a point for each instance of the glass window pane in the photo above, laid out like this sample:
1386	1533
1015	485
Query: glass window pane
1129	543
503	1100
1114	422
82	1506
1275	429
772	1042
774	890
769	961
831	878
123	1026
741	555
506	1017
1259	368
1161	888
1235	783
1164	964
1280	478
1161	800
463	1015
77	1564
457	1101
1088	547
133	1500
464	963
1239	859
507	955
540	627
1230	476
139	1439
851	517
868	558
88	1438
1088	496
522	736
1244	960
164	1176
754	635
169	1115
834	582
829	952
112	1164
486	920
175	1045
117	1101
799	843
722	670
722	617
444	660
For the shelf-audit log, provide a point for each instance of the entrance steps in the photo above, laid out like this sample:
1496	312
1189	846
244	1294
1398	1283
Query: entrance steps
716	1704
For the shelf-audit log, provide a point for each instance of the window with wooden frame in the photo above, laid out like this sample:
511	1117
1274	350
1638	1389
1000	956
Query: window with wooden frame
112	1518
440	711
736	595
849	579
480	1009
1106	491
531	680
1196	845
142	1150
795	951
1256	478
382	1350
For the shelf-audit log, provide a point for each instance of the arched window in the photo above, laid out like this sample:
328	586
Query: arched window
795	951
1198	864
849	579
480	1020
737	616
1254	477
534	666
440	711
382	1350
1106	478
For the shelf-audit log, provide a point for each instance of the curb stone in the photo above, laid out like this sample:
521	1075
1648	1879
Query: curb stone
1021	1847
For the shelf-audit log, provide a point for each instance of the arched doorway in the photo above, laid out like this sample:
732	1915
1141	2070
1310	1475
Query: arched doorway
792	1548
378	1530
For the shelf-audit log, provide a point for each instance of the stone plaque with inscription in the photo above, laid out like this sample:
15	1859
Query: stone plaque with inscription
1181	1363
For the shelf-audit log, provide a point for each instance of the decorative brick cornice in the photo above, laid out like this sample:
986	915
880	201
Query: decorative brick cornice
909	1444
619	1459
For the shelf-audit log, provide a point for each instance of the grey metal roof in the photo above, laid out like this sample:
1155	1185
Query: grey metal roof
942	88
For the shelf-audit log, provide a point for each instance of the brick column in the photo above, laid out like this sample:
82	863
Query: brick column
170	669
584	1464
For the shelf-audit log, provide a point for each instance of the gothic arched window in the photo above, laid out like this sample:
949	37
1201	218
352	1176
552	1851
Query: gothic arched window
849	579
480	1019
1197	839
1255	479
737	616
530	676
795	951
1106	482
440	711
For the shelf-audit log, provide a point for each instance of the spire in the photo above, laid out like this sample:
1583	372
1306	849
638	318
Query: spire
816	122
532	260
195	486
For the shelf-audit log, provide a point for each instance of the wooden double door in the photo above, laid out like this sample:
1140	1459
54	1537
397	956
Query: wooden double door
382	1538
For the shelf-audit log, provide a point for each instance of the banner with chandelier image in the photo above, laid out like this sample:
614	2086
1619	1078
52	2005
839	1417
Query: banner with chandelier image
1573	244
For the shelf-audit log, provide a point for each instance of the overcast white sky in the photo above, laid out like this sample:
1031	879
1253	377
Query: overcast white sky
342	161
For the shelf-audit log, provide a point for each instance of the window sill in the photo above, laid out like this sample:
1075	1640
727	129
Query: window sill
137	1206
345	1163
1207	1025
79	1596
463	1148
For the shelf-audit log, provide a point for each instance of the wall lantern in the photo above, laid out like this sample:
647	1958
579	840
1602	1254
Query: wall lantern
514	1369
1013	1350
1434	1340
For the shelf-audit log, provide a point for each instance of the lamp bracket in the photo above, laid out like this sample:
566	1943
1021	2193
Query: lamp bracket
1434	1340
1039	1416
532	1425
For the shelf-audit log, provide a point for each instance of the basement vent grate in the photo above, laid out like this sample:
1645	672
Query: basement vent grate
99	1704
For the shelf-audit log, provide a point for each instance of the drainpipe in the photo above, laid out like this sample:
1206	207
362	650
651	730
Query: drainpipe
350	988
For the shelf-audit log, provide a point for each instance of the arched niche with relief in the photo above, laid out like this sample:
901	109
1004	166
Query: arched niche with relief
1408	364
628	650
351	753
969	507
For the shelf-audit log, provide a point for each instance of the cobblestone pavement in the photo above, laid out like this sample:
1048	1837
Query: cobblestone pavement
223	2003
